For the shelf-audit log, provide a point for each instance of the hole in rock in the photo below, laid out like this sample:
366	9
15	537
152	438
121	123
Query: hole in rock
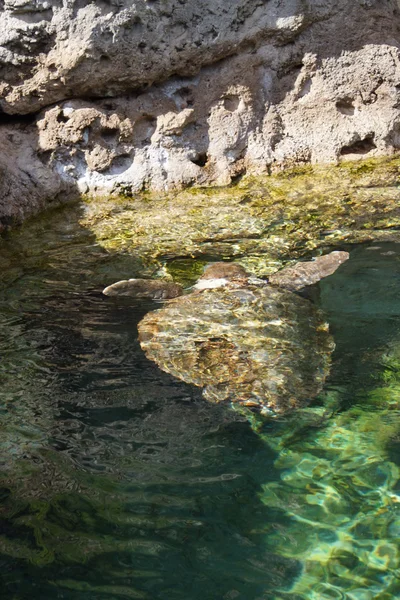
214	33
136	25
360	147
200	159
346	107
45	156
34	16
110	134
305	88
85	135
292	69
143	129
231	103
184	96
6	119
119	164
240	173
104	58
61	118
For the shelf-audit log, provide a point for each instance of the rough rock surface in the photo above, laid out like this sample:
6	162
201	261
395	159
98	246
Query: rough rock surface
166	93
26	184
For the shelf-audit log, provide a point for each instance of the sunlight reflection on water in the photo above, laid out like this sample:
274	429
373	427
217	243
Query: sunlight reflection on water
122	482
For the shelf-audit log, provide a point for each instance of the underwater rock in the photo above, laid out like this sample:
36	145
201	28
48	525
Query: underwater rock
261	223
27	186
339	495
144	288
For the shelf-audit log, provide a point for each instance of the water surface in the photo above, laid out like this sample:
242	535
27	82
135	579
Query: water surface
119	481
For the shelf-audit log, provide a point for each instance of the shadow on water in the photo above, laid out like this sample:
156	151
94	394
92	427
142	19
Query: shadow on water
118	481
122	482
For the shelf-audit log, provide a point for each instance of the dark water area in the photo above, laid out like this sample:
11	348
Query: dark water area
118	481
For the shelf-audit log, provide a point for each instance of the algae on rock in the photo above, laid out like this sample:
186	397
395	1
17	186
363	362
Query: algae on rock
261	223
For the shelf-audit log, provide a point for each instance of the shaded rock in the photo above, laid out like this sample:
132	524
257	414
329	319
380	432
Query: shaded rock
55	50
26	184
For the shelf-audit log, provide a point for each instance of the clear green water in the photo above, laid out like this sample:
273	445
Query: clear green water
121	482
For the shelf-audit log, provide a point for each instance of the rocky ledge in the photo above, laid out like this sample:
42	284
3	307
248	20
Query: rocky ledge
116	96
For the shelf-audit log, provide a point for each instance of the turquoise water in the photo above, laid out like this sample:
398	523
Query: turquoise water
120	482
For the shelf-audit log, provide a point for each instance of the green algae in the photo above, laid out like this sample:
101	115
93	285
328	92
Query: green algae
186	271
261	222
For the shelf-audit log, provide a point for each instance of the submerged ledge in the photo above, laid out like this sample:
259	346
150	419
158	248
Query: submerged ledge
260	222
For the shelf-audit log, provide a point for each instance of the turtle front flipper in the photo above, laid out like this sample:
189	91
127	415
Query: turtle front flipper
153	289
302	274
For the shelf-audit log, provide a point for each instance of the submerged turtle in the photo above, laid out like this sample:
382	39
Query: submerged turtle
244	339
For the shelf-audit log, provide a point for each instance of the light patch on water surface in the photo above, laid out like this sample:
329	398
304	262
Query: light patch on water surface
339	491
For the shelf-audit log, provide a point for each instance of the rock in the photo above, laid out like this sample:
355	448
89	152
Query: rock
26	184
144	288
167	94
246	116
56	50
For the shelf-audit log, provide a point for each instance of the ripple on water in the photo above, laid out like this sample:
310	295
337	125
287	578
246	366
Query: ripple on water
121	482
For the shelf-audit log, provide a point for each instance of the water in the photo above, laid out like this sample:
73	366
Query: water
120	482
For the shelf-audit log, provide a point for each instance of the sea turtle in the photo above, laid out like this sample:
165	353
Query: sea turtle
246	340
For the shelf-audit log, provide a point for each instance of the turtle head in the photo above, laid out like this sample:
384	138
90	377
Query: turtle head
223	274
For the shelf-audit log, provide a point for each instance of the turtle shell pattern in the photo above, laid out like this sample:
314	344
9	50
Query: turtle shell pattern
262	347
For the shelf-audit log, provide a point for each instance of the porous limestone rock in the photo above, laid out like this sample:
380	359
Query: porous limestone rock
161	94
26	184
56	49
